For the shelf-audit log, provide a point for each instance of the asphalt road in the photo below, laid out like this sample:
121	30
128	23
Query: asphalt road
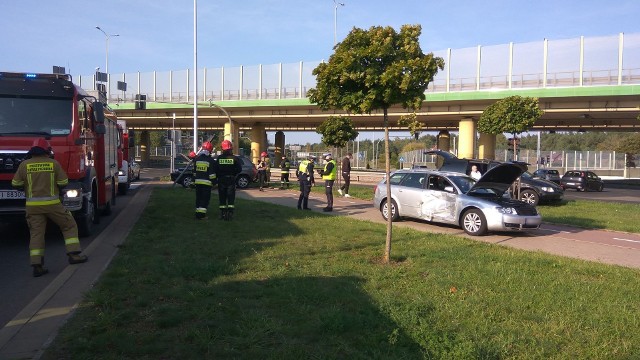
17	285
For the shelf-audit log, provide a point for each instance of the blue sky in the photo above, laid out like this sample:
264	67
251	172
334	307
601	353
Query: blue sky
158	35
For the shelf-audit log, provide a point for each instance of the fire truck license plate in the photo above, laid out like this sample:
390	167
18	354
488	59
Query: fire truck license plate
11	194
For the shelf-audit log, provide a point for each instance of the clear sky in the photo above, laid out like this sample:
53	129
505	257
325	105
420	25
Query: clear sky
158	34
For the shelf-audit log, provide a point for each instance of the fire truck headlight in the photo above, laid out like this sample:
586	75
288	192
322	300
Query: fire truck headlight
72	193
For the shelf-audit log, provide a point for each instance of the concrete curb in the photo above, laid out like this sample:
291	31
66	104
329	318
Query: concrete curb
28	334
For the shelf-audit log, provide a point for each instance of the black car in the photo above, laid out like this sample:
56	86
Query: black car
246	177
581	180
548	174
531	190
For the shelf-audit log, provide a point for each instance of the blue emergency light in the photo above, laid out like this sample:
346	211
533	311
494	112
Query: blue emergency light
32	76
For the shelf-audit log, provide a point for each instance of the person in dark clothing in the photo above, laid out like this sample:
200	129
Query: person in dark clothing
204	178
305	176
329	175
285	166
263	170
346	175
227	168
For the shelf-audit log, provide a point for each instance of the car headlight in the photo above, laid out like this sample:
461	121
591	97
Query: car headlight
547	189
120	173
72	193
507	210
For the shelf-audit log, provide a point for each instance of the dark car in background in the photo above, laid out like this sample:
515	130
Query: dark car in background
548	174
531	190
246	176
581	180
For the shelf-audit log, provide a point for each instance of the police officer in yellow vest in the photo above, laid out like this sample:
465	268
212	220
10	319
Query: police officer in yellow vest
305	177
329	175
41	176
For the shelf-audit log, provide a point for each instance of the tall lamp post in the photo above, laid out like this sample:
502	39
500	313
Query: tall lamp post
335	21
211	104
106	69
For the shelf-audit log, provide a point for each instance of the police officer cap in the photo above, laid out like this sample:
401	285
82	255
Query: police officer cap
312	157
328	156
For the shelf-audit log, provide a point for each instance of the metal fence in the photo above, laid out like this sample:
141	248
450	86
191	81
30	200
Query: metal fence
570	160
584	61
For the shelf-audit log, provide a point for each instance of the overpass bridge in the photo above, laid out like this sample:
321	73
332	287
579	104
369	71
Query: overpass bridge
583	84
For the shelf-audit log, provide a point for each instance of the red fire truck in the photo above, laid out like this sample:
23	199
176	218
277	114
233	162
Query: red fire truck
125	172
83	134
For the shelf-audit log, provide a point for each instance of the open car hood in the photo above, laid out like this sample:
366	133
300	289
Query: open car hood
499	178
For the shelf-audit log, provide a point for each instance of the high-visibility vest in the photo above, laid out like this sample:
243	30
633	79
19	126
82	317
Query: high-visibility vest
334	171
303	167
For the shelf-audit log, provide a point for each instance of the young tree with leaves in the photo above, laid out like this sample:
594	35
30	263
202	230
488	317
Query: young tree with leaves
375	69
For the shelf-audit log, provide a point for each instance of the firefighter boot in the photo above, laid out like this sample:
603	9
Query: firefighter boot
76	258
229	214
223	213
39	269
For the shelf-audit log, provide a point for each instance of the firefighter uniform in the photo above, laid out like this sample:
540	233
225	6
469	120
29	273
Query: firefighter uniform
41	177
329	175
205	177
285	166
305	177
227	168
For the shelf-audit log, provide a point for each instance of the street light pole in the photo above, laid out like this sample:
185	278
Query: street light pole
211	104
107	36
335	21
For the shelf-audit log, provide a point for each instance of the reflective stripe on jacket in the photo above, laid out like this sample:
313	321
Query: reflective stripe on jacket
40	176
330	174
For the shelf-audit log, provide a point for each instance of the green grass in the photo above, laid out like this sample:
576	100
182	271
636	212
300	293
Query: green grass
278	283
594	214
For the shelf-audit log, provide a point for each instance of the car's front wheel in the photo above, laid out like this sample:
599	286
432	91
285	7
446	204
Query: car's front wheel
530	197
187	181
474	223
384	210
243	182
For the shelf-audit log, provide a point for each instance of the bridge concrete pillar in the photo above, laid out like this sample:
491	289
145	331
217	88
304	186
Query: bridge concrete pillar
258	142
443	142
145	147
232	133
467	139
279	148
487	146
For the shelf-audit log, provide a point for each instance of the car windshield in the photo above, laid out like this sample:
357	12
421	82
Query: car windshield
464	183
527	175
553	172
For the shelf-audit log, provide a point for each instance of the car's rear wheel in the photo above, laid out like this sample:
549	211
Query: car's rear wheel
530	197
474	223
384	210
243	182
600	187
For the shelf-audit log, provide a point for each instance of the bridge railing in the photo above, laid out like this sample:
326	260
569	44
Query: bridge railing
584	61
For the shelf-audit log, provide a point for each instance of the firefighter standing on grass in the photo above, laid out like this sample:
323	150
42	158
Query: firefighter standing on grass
204	178
41	177
227	168
285	166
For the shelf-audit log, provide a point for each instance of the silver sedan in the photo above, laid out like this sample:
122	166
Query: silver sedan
454	198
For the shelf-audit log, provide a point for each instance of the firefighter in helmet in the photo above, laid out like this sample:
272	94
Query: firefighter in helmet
41	176
227	168
204	179
263	170
285	166
305	176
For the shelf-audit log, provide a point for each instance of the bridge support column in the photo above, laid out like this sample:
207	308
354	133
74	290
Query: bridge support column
232	135
258	142
444	143
467	139
487	146
279	148
145	146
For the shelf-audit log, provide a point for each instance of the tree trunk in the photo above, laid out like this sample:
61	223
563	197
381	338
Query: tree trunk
387	171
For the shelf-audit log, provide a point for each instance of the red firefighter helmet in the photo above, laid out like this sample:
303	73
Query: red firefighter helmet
226	145
192	155
41	143
207	146
264	154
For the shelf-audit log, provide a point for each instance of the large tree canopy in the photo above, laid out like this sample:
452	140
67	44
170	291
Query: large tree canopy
374	69
336	131
513	114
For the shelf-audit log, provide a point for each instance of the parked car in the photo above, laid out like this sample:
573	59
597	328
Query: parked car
548	174
246	176
135	166
454	198
531	190
581	180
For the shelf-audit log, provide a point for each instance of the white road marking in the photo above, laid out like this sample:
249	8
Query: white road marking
633	241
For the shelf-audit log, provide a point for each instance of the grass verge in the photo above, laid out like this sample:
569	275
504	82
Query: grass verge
278	283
